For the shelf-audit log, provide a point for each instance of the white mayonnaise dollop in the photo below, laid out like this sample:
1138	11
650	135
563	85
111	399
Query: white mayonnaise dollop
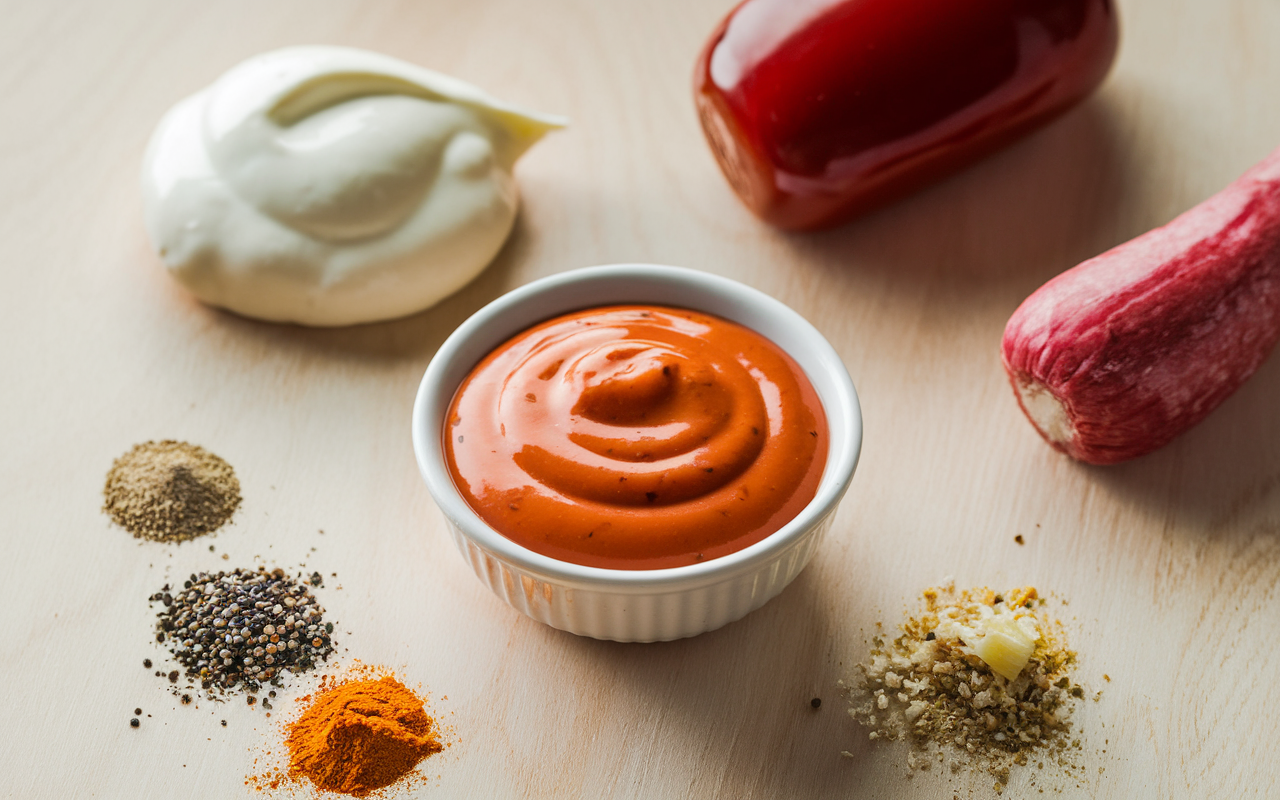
331	186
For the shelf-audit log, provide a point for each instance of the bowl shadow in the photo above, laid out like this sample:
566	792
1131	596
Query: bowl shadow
720	695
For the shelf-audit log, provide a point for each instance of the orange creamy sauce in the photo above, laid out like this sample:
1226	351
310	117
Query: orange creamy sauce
636	437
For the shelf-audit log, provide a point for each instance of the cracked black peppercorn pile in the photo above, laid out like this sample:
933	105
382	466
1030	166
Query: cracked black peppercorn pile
243	627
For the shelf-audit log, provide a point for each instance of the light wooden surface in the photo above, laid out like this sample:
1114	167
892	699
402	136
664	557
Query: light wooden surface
1170	563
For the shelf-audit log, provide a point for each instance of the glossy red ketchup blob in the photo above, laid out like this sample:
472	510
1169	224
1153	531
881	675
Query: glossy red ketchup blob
818	110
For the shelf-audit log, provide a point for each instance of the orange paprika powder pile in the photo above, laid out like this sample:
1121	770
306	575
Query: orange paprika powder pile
360	736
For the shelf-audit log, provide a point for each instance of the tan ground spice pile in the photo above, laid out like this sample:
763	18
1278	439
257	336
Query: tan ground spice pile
170	491
928	686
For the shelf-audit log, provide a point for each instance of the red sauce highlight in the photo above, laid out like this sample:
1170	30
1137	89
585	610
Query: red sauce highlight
818	110
636	437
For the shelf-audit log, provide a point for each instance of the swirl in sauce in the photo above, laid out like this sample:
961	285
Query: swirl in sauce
636	437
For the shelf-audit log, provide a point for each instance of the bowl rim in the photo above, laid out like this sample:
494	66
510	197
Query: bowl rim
618	284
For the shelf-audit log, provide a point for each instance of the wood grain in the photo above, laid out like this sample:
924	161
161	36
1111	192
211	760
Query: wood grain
1170	563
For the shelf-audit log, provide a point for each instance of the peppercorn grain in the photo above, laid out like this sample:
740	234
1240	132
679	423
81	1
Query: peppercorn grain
242	628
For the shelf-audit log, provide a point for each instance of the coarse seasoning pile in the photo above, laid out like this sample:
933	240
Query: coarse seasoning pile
170	491
243	627
982	675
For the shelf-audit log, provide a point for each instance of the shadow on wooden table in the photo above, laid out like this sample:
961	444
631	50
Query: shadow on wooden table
737	703
416	337
1221	477
1007	223
982	240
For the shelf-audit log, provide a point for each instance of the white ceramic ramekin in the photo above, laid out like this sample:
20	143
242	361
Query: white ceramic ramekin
637	605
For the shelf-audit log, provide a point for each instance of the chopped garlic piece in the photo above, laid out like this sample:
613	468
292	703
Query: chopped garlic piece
1005	645
913	711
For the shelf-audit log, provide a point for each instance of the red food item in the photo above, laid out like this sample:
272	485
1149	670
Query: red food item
1115	357
636	437
818	110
